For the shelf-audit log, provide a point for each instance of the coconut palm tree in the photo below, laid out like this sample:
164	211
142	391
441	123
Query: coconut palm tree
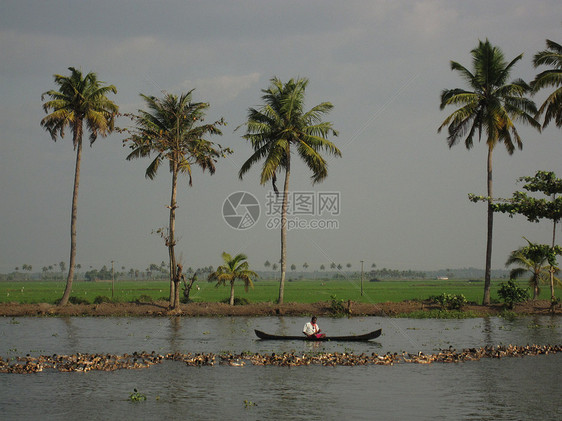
533	259
552	106
233	269
489	109
276	130
170	132
80	100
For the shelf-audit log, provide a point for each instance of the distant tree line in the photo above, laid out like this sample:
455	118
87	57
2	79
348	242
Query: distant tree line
385	273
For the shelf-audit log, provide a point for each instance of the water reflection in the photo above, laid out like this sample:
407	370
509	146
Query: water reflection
487	330
71	335
174	334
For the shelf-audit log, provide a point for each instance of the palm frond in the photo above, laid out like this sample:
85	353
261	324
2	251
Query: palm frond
282	121
79	98
491	105
170	128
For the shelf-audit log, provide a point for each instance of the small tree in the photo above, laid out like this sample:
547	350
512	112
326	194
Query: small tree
534	209
233	269
536	259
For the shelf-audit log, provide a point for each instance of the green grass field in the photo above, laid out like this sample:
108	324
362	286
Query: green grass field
302	291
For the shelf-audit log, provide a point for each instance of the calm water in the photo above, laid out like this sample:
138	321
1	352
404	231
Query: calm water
506	389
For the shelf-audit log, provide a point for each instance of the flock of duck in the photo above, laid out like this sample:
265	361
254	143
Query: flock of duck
111	362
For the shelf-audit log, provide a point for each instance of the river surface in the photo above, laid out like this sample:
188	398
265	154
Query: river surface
489	389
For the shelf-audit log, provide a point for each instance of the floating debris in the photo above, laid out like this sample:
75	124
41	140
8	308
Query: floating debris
137	360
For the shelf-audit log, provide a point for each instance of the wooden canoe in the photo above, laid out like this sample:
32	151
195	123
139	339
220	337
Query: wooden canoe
353	338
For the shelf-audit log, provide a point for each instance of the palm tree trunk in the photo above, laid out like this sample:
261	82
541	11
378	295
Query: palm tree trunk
535	281
174	295
552	296
232	293
535	291
284	228
78	143
488	270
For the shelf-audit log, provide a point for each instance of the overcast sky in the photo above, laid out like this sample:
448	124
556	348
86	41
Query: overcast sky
382	64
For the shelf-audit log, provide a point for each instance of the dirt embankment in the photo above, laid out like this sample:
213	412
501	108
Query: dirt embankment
258	309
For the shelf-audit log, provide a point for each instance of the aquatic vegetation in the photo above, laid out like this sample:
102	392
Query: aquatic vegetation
136	396
249	404
508	314
439	314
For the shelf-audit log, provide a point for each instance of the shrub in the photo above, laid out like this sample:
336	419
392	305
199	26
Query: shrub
144	299
511	294
450	301
102	299
337	306
185	300
77	300
237	301
554	303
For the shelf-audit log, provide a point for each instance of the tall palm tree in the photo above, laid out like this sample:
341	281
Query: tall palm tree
80	99
552	106
533	259
489	107
233	269
170	132
277	129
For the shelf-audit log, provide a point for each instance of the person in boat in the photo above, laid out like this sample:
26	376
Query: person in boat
311	329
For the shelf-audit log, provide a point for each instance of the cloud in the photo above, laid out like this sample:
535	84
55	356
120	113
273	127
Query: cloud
432	18
221	89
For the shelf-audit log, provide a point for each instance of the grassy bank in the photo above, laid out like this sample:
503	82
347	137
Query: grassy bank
301	291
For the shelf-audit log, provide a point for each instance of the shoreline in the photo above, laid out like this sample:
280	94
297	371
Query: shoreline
160	309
